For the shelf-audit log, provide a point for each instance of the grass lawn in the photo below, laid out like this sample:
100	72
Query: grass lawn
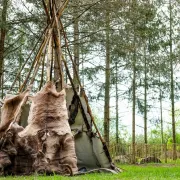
131	172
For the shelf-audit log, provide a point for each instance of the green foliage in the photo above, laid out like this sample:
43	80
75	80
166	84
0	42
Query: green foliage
146	22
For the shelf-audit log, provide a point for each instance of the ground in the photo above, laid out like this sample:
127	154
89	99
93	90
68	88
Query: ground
131	172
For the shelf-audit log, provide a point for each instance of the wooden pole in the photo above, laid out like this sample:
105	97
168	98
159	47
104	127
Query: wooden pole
51	72
58	49
55	15
48	64
36	69
75	93
46	10
84	94
44	44
42	74
89	111
51	24
71	58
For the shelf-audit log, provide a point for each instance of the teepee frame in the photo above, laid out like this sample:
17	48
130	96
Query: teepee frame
50	39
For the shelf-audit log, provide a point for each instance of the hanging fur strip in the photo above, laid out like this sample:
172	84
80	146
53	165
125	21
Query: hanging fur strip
11	110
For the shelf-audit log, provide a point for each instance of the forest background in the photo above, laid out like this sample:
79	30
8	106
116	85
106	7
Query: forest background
127	56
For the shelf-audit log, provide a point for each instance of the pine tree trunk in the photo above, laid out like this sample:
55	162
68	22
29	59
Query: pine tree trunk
58	57
162	131
20	60
172	86
76	42
107	81
2	40
134	109
117	107
161	116
134	93
145	101
160	103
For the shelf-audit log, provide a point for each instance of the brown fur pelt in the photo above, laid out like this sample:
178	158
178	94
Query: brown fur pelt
11	110
48	111
48	122
20	151
56	149
43	165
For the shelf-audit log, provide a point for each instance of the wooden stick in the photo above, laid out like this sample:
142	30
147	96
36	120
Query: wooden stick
36	69
48	66
51	24
42	74
77	76
43	44
46	10
18	74
41	56
61	9
71	58
59	12
50	8
88	110
51	72
57	40
59	51
75	93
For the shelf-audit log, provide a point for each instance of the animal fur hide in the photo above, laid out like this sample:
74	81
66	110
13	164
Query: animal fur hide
56	154
11	110
17	154
48	111
48	121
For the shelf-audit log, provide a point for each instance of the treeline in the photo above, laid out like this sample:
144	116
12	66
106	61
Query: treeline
124	51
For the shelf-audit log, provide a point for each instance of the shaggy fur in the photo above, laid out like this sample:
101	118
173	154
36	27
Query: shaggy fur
48	121
20	152
48	110
11	109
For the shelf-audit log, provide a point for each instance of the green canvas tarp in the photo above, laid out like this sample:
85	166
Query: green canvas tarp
89	148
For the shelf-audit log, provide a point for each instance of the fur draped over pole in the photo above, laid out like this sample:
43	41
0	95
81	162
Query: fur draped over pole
48	121
11	109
